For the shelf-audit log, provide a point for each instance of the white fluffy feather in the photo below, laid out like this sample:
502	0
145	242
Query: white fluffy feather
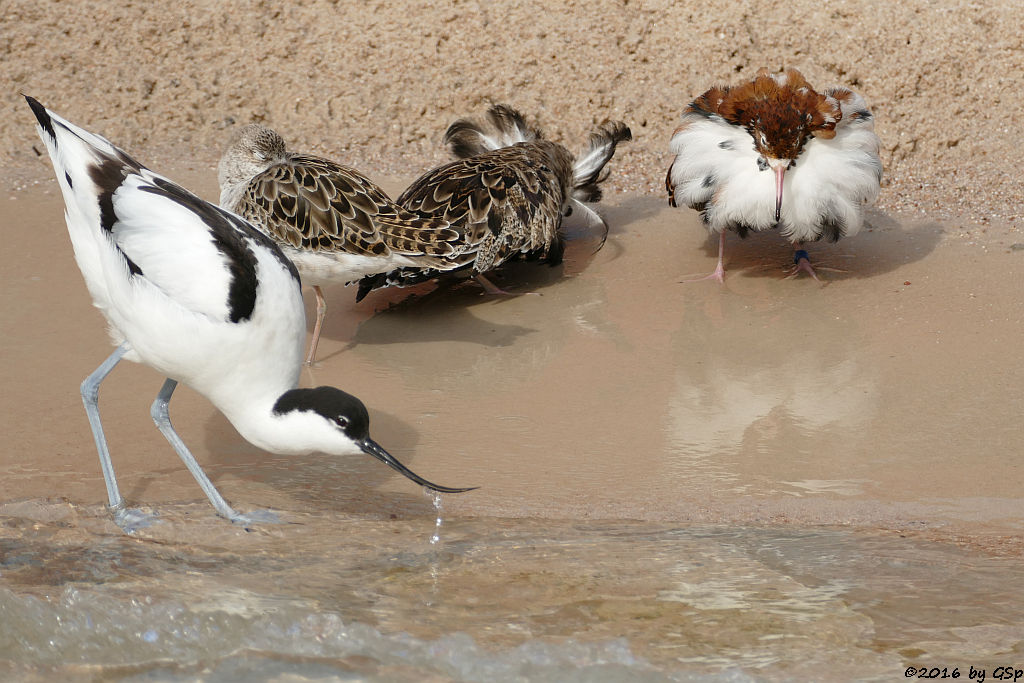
716	165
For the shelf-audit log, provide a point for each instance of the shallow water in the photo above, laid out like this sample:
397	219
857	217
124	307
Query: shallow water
816	475
330	597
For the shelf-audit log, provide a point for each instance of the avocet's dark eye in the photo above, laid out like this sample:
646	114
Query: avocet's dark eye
568	211
341	421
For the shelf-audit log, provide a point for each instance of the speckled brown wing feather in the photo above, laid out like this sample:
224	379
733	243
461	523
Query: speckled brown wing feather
506	203
315	204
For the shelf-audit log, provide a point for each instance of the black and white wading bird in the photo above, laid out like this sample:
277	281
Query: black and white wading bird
333	222
204	298
506	195
773	153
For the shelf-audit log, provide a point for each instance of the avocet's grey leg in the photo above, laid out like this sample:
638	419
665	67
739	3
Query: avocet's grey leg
91	398
161	416
129	520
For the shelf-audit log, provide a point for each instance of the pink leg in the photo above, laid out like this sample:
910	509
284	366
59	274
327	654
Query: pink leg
719	272
489	286
321	313
494	289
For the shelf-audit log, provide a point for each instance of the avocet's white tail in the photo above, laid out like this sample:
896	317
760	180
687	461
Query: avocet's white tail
78	159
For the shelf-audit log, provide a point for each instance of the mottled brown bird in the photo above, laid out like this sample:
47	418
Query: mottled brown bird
332	221
506	195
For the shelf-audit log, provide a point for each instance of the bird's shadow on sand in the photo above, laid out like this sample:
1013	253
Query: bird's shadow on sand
882	246
435	312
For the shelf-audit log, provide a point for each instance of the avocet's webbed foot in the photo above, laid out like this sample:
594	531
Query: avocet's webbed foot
255	518
131	520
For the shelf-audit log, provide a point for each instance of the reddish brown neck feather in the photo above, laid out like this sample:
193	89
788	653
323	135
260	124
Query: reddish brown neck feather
787	114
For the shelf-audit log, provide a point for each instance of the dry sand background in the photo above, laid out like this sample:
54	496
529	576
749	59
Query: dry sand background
375	84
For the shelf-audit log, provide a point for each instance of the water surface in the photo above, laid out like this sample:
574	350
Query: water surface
770	479
347	598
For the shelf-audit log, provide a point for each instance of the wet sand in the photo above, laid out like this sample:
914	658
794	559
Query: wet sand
767	480
886	398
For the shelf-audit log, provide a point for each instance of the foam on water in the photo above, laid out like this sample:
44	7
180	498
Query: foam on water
346	598
84	630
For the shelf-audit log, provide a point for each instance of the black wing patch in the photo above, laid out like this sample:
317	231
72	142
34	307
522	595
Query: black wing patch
231	235
109	173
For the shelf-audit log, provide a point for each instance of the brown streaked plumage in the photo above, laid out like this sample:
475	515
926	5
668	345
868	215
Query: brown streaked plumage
510	200
506	196
332	221
315	204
